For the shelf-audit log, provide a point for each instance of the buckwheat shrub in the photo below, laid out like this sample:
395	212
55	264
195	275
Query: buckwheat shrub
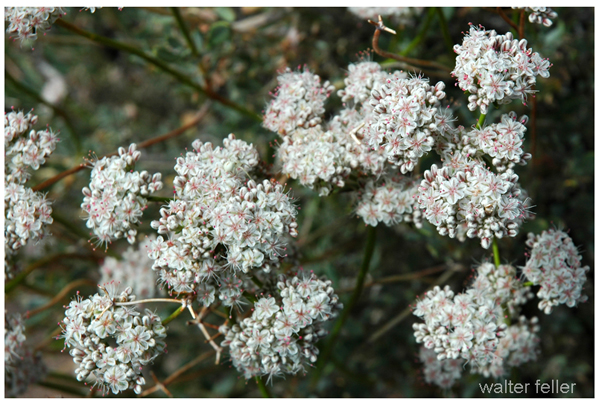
222	223
110	340
298	102
115	199
133	270
390	200
27	22
540	15
443	373
464	191
26	212
496	68
279	337
555	265
21	365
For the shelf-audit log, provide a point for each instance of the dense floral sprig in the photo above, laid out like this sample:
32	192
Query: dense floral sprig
221	221
133	270
92	325
443	373
23	366
391	201
473	325
298	102
28	22
115	198
496	68
279	337
555	265
26	211
465	192
540	15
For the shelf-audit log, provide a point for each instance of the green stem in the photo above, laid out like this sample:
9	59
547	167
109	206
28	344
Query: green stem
184	30
326	352
256	281
160	64
481	121
528	284
421	33
57	110
262	387
445	30
173	315
496	253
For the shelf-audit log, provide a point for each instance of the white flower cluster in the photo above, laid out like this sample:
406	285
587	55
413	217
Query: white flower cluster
279	338
91	328
405	115
134	270
22	366
115	199
220	219
540	15
403	14
465	192
315	158
555	265
28	22
443	373
503	283
496	68
502	142
298	102
472	325
26	211
390	202
519	345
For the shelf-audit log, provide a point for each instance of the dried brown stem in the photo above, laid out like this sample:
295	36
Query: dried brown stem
60	296
198	117
375	45
507	19
198	319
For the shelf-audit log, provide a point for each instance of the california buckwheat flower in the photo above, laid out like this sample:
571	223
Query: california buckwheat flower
496	68
463	191
473	325
555	265
443	373
110	341
540	15
279	337
28	22
502	142
22	365
221	223
115	198
405	111
298	102
27	212
390	200
134	270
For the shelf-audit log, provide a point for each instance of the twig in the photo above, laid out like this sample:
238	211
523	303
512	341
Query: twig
161	65
198	319
507	19
176	374
184	30
375	46
199	116
60	296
